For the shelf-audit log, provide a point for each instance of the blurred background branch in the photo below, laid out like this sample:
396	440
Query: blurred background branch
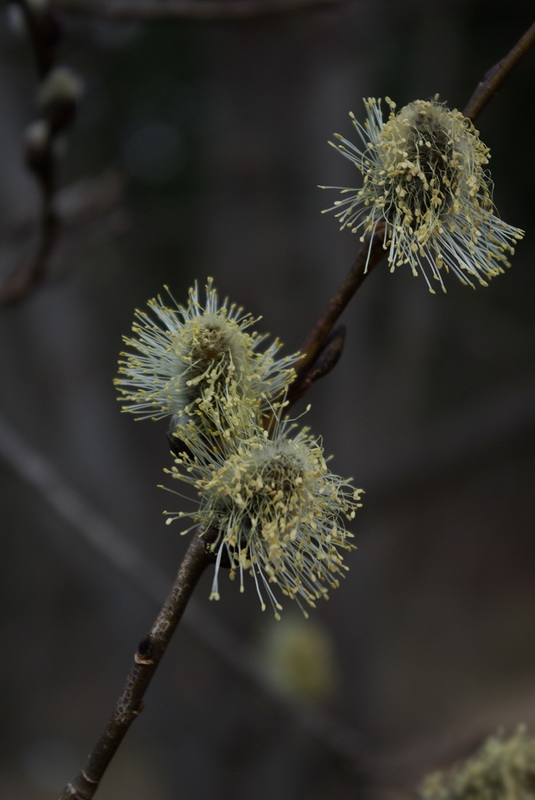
57	99
198	11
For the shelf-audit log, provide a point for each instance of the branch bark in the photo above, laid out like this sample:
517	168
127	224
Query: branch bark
496	75
321	348
146	660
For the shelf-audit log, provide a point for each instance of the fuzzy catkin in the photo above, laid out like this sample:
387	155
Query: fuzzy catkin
278	511
502	769
425	180
200	364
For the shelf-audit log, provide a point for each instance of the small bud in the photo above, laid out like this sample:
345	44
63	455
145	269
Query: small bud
58	97
16	16
37	147
34	19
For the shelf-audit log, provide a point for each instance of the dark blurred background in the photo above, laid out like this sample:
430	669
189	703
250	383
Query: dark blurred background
207	141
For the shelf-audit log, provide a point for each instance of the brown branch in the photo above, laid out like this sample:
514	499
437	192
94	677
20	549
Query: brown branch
31	272
192	10
323	364
318	346
146	660
129	561
496	75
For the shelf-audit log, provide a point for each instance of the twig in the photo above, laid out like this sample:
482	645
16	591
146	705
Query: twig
322	365
96	530
496	75
192	10
81	206
146	660
461	442
32	272
152	583
318	347
43	32
369	255
58	110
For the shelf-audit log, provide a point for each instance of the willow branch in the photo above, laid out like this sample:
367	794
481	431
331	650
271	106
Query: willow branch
151	582
371	253
146	660
496	75
322	347
198	11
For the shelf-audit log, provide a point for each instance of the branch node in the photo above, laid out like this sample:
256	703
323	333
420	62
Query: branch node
86	777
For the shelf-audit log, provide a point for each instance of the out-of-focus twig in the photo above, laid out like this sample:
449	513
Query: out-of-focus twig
191	10
85	201
58	93
81	205
496	75
43	32
32	271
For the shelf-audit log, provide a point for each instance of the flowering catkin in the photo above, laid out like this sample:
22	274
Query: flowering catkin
277	510
266	506
425	181
200	364
502	769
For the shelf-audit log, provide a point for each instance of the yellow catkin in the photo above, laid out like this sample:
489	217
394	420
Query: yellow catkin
425	179
278	511
199	363
502	769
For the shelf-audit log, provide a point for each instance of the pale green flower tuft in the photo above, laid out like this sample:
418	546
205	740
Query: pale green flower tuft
425	181
502	769
200	363
276	510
